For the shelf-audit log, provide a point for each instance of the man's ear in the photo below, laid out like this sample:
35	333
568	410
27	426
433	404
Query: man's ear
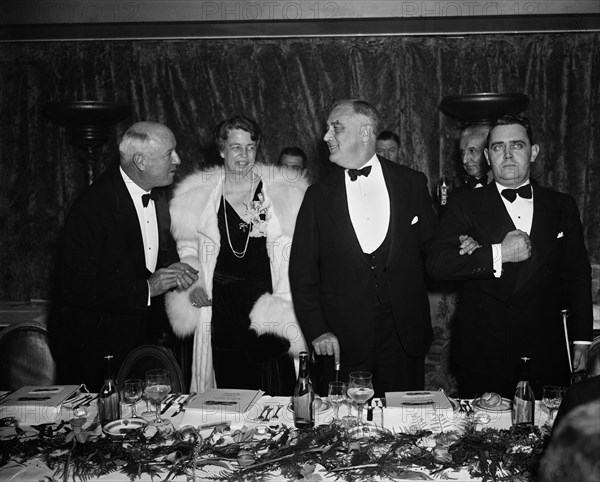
487	156
139	161
222	154
367	132
535	150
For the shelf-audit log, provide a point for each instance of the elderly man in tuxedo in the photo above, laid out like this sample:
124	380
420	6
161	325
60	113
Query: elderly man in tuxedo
471	145
356	267
117	258
519	249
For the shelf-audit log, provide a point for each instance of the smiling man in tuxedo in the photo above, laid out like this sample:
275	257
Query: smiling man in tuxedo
519	249
356	267
117	260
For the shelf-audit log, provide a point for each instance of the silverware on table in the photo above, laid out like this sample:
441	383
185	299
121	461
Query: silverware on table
183	404
169	403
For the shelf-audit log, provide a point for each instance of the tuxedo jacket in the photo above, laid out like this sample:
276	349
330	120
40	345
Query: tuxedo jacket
499	320
330	277
103	299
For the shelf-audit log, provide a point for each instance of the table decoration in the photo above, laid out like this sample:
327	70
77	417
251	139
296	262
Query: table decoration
326	451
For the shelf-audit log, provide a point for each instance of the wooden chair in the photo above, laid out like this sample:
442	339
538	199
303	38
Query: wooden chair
150	357
25	356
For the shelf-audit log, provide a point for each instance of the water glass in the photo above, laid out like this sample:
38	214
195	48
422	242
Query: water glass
552	398
132	392
158	386
360	389
338	394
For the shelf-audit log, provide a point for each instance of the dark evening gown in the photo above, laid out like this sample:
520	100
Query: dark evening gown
239	357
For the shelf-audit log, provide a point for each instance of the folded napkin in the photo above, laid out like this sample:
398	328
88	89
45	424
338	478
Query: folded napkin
33	405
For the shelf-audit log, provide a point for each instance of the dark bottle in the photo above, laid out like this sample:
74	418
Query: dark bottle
304	396
109	399
524	399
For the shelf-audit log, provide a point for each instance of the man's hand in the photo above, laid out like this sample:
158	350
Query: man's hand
580	354
516	247
199	298
178	275
467	244
327	344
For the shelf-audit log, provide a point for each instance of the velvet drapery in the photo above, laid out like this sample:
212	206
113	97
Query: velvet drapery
287	85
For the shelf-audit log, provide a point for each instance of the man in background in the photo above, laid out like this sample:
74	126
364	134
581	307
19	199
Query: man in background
388	146
519	249
471	146
117	260
356	264
293	157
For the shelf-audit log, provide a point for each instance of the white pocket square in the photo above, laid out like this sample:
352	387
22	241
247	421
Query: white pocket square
415	220
560	235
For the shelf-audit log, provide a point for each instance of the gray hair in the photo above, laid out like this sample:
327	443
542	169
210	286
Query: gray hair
137	137
364	108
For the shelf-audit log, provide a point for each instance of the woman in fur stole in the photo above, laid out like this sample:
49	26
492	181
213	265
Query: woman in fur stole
234	223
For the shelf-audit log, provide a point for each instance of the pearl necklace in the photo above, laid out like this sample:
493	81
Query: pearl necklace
237	254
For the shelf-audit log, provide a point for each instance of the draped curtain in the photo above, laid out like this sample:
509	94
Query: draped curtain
288	86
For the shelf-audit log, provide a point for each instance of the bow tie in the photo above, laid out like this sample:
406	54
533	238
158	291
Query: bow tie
473	182
523	191
146	197
354	173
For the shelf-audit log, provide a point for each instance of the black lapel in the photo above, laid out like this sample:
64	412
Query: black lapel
543	230
126	218
399	193
492	216
336	205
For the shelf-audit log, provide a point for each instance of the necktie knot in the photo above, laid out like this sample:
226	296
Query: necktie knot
146	197
523	191
354	173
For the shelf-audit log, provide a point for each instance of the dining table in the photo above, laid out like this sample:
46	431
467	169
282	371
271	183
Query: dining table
204	427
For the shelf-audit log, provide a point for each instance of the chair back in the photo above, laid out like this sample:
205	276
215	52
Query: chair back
150	357
593	361
25	356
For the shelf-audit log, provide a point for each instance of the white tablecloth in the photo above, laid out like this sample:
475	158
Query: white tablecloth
34	471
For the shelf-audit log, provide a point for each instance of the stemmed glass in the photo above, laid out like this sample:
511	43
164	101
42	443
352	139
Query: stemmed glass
552	398
132	392
158	386
360	389
337	395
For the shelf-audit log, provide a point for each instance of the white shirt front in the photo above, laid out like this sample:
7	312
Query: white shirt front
521	213
520	210
147	219
369	206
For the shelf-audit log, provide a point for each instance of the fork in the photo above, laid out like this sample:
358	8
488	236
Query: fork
262	417
275	417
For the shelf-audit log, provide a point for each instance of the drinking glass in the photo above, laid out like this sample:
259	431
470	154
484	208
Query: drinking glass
552	398
360	389
132	392
338	393
158	386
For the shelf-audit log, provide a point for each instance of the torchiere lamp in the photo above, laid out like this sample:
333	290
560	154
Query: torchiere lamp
87	124
483	107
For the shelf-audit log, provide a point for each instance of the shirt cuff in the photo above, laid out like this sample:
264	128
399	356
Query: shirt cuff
497	259
582	342
148	283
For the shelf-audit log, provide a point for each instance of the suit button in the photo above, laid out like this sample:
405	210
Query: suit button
373	267
377	285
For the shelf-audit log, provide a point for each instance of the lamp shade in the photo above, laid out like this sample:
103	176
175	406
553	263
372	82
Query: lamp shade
87	122
483	107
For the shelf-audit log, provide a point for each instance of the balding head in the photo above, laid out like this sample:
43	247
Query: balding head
148	156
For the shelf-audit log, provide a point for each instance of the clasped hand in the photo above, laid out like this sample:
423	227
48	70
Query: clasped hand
516	246
179	276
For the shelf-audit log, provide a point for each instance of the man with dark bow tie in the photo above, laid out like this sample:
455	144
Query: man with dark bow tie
520	251
356	267
117	260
